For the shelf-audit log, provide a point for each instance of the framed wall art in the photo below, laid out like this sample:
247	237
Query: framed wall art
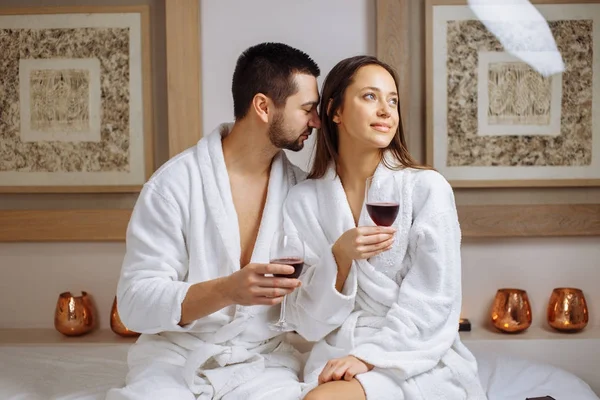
486	207
494	121
182	91
75	99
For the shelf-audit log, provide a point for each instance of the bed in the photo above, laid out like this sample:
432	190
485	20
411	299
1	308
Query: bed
87	371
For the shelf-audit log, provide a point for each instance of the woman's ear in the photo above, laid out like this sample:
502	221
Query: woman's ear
261	106
336	117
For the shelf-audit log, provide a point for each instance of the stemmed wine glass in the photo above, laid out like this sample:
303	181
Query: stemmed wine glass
381	199
287	249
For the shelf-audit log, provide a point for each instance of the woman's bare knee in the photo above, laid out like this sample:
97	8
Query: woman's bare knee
312	395
337	390
318	394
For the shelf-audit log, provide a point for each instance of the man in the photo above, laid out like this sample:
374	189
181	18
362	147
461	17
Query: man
193	278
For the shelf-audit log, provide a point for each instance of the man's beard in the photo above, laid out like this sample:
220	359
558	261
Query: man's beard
278	135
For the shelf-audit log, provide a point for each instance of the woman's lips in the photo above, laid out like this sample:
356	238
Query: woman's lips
381	127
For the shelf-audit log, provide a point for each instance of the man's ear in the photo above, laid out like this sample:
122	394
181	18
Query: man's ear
336	117
262	107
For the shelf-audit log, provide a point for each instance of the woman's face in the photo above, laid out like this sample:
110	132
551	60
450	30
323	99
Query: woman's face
369	116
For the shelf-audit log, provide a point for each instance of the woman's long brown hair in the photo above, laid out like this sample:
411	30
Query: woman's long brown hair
334	89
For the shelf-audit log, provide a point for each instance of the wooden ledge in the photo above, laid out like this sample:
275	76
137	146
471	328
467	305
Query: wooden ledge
63	225
476	222
530	220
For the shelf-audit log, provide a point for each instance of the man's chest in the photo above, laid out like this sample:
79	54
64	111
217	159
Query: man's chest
249	201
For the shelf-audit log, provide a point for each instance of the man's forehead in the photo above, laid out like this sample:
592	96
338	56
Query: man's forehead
308	92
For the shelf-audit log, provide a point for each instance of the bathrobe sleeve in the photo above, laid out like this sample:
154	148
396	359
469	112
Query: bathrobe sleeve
422	324
316	307
151	286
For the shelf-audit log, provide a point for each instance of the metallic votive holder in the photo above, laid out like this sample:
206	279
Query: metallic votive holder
567	310
74	315
511	310
117	325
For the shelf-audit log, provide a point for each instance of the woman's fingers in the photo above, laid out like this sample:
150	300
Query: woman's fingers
349	375
375	230
373	239
334	370
340	371
369	251
325	375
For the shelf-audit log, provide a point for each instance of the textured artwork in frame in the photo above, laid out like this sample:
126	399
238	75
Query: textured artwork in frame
74	100
493	121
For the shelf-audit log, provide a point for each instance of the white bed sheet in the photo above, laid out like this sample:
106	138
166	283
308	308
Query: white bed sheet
65	372
86	372
509	378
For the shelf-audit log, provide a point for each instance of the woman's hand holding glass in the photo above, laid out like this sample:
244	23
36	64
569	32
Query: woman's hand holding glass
362	243
367	241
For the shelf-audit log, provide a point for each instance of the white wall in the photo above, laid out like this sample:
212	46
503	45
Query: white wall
32	275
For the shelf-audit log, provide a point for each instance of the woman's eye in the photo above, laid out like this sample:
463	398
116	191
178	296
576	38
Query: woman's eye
370	96
394	102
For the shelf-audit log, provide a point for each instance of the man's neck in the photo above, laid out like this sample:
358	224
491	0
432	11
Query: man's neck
248	151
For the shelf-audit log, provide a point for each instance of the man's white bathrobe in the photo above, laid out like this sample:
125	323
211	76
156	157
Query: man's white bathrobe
184	229
399	310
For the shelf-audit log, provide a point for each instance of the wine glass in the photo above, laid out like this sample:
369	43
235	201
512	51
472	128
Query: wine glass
287	249
381	199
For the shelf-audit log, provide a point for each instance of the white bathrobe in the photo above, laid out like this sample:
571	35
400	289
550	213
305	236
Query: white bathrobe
184	229
399	310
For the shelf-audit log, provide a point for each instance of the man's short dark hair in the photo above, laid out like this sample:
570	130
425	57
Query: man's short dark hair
268	68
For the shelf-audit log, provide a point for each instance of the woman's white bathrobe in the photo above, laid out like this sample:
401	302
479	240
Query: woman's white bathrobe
398	311
184	229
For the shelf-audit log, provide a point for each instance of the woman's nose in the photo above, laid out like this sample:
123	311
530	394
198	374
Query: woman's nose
384	110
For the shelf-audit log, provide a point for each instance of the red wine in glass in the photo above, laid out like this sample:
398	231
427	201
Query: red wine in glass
297	263
381	200
383	213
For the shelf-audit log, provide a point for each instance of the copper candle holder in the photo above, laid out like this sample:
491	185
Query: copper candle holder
511	310
567	310
117	325
74	315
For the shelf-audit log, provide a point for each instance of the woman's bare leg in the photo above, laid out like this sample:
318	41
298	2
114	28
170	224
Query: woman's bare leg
337	390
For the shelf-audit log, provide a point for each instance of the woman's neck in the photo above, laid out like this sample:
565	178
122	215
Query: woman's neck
354	166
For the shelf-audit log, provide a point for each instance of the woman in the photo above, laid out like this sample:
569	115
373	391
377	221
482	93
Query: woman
383	303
